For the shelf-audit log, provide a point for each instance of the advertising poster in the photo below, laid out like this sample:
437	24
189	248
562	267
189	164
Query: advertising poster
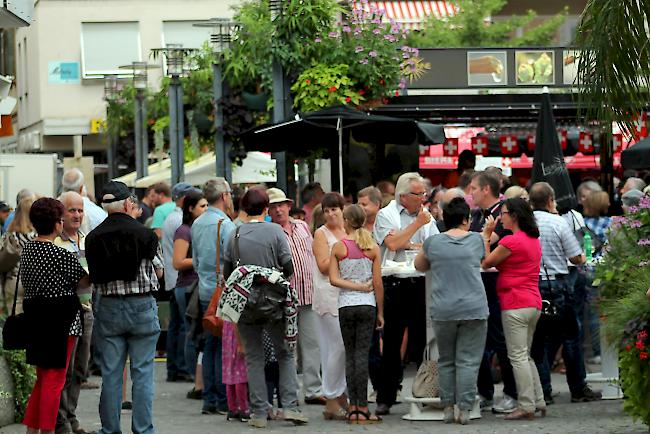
535	67
486	68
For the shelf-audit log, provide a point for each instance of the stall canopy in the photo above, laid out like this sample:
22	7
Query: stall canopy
258	167
411	13
637	156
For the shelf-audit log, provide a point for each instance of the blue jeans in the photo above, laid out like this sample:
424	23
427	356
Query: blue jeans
562	330
176	339
214	391
189	349
127	326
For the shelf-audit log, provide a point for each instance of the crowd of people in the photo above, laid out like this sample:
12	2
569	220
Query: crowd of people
287	289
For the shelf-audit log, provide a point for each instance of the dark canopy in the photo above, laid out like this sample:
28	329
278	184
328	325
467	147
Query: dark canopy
637	156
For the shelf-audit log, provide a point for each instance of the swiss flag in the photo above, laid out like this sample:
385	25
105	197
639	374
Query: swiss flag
480	145
585	143
509	145
450	149
531	142
562	137
617	142
641	125
424	151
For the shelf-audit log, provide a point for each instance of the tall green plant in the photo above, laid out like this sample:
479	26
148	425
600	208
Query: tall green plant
467	28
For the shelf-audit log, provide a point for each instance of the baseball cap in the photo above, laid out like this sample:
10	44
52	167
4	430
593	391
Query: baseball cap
4	206
277	196
115	191
182	189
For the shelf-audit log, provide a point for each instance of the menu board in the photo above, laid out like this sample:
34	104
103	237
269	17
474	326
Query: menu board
487	68
535	67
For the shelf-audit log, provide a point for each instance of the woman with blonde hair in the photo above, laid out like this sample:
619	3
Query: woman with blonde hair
19	233
355	268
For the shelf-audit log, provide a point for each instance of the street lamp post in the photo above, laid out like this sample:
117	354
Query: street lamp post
279	96
174	56
110	93
220	38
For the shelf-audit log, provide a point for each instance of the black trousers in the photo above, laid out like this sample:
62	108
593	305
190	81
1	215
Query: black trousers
495	344
404	306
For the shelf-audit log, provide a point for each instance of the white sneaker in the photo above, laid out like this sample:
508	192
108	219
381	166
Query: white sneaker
296	417
507	405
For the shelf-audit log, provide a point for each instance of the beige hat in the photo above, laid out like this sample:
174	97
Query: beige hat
277	196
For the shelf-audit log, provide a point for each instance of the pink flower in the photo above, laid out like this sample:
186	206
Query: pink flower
318	40
635	224
645	202
358	49
332	34
644	242
363	61
372	54
376	31
346	29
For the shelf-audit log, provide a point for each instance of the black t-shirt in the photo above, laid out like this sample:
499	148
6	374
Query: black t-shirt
478	220
146	212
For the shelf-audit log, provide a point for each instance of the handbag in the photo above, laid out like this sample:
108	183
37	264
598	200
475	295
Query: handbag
553	301
580	233
426	383
266	299
211	322
14	331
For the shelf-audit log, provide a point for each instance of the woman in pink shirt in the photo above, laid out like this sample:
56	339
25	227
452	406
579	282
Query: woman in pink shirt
518	257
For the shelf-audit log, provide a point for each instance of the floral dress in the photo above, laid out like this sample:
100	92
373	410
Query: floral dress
233	369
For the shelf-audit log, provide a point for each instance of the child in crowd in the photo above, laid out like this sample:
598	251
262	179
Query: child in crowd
355	267
233	373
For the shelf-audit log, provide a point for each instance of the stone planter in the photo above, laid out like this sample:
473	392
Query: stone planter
7	405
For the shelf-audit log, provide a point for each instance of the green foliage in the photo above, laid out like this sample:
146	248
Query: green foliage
24	376
468	28
322	86
634	365
614	64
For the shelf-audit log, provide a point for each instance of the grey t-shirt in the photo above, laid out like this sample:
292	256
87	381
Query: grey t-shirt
260	243
457	288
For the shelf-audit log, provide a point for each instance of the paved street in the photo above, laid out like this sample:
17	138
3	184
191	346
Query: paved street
174	414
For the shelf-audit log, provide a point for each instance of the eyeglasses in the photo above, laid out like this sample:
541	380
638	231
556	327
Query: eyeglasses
422	194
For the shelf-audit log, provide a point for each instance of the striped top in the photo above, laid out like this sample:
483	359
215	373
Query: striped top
355	267
300	241
558	243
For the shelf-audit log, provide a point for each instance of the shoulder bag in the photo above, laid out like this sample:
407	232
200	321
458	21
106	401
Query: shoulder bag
426	382
14	331
580	232
211	322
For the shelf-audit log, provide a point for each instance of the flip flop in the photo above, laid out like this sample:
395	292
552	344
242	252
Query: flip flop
368	419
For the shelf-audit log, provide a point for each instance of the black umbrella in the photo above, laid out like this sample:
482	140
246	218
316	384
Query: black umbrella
548	162
324	128
637	156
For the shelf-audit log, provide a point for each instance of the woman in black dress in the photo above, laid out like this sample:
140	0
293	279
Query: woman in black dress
50	276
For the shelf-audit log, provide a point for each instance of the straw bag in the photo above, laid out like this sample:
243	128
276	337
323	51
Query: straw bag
426	382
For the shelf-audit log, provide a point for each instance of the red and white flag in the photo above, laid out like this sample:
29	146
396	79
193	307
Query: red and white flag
450	148
531	142
585	143
509	145
424	150
641	126
617	142
480	145
562	137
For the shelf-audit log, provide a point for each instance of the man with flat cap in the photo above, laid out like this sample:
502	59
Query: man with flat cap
125	262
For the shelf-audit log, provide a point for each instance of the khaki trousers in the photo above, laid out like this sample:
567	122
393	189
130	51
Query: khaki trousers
519	328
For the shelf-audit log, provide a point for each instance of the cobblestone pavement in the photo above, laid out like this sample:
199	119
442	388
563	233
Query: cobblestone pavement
174	414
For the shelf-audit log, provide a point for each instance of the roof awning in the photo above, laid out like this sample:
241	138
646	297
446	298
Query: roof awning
410	13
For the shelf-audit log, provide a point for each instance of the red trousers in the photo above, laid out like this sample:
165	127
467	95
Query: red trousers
43	405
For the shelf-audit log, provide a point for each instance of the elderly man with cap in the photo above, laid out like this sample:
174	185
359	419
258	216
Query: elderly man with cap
176	369
300	241
125	263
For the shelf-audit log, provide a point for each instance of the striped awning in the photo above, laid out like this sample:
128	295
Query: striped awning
410	13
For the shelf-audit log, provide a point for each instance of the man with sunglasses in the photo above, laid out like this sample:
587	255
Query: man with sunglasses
402	225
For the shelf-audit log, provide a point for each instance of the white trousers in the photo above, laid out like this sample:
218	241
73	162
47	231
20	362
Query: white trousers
332	355
309	355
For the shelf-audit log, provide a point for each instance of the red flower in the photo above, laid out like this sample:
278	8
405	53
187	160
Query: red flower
382	82
308	82
639	345
362	92
333	89
628	348
643	355
397	93
348	99
642	334
384	100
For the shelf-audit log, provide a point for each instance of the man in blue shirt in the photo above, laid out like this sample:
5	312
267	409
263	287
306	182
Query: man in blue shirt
204	256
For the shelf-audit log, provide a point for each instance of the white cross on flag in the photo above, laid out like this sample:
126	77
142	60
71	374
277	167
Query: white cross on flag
617	142
531	142
424	151
509	145
480	145
562	138
450	149
641	125
585	143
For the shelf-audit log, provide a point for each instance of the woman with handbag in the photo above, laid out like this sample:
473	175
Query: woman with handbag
262	245
19	233
325	303
194	204
355	268
459	308
51	277
518	259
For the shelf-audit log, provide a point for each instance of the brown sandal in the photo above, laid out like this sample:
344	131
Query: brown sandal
368	419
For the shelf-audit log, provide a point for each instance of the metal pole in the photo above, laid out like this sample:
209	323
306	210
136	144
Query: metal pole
340	128
219	141
111	157
173	130
180	131
144	141
278	116
137	120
